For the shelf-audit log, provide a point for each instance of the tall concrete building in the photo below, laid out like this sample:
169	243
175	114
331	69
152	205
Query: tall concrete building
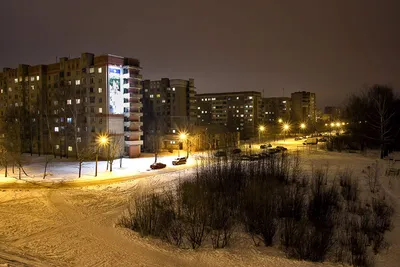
238	111
63	107
169	108
303	107
275	108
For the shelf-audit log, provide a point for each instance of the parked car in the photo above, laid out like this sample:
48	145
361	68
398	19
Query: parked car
157	165
281	148
272	151
236	151
263	146
323	139
179	160
245	157
269	145
297	138
311	141
220	154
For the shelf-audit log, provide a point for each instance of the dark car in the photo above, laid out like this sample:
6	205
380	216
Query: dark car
157	165
297	138
323	139
179	161
269	145
263	146
281	148
236	151
220	154
273	151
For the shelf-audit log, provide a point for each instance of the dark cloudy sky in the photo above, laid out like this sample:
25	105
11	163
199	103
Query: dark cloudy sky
330	47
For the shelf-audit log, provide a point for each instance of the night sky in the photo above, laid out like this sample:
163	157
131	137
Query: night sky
330	47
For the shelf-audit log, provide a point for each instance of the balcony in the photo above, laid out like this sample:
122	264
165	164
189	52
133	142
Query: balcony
134	143
138	77
135	95
135	103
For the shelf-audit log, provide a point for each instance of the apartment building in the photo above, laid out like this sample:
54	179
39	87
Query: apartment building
169	109
62	107
237	111
303	107
275	108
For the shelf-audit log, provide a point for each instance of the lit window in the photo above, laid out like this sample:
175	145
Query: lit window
56	129
173	131
1	90
37	78
69	148
69	102
163	101
57	147
173	88
100	110
77	82
26	78
32	79
158	95
55	102
100	70
250	97
237	97
198	107
69	120
16	80
100	90
33	87
284	102
78	129
78	139
78	101
91	70
69	82
151	96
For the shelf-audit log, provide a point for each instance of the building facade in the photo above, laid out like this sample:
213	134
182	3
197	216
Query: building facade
237	111
303	107
61	108
275	108
169	109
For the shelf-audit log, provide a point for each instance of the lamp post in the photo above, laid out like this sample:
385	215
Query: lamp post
182	138
285	128
261	129
302	126
101	140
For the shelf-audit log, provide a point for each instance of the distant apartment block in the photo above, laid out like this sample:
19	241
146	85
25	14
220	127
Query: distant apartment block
275	108
303	107
332	113
237	111
68	103
169	108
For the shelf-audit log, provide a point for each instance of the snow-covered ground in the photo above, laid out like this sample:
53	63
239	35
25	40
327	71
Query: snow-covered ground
42	224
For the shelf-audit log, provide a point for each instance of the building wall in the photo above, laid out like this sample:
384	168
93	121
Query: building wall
304	107
68	102
168	110
275	108
237	111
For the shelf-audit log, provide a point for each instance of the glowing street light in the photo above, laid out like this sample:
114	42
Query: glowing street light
101	141
285	128
303	126
182	137
338	124
260	130
280	120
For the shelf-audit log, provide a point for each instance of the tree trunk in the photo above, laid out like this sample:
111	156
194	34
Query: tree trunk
80	169
120	162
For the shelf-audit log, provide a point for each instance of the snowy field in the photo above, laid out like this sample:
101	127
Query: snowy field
65	221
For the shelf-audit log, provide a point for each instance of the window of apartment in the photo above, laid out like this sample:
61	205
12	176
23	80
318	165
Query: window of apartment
100	100
55	102
100	110
151	96
69	82
32	79
158	95
173	88
91	70
69	102
100	90
77	82
163	101
37	78
100	80
9	89
26	78
92	99
70	148
62	119
78	139
16	80
78	129
91	90
173	131
146	90
91	80
57	147
92	109
78	101
100	121
1	90
69	120
56	129
100	70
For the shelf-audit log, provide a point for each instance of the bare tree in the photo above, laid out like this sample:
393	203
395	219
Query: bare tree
115	147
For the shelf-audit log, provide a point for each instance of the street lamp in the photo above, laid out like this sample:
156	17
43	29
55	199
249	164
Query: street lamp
101	141
302	126
285	128
280	120
260	130
183	136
